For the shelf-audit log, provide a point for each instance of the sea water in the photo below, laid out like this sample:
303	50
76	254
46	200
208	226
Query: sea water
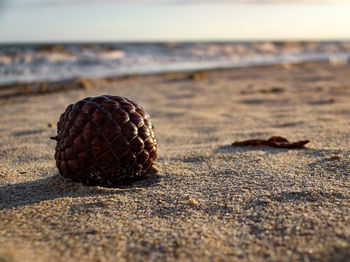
51	62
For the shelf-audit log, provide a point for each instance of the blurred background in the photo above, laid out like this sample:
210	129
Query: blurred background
47	40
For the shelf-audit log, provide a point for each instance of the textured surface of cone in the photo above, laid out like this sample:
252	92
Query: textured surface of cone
105	140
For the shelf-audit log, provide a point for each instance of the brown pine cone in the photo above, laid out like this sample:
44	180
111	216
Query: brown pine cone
104	141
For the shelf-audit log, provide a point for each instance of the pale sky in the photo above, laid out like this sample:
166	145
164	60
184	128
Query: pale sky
173	20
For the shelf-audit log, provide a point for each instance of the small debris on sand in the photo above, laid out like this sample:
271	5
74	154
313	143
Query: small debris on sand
274	141
334	157
197	76
272	90
192	202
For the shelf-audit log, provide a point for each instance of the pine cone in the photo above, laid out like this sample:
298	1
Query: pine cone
105	141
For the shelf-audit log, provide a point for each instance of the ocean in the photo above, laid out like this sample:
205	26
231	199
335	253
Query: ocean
23	63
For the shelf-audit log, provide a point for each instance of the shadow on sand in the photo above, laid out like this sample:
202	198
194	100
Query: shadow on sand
266	149
315	152
31	192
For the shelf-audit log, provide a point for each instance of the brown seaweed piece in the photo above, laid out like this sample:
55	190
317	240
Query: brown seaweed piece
274	141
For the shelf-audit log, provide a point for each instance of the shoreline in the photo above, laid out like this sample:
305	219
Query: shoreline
46	87
52	63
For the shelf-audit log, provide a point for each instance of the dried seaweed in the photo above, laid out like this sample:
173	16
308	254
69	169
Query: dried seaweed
274	141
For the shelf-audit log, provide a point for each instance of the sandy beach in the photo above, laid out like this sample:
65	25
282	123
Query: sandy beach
209	201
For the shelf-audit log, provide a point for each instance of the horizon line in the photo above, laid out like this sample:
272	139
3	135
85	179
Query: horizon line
25	42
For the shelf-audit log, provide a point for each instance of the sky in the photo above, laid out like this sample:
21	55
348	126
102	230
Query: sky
172	20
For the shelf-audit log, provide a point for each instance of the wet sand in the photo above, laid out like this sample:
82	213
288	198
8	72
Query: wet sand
210	201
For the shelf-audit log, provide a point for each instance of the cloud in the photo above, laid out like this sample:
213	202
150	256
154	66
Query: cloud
73	2
48	3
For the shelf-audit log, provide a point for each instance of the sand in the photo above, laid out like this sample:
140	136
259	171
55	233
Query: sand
210	201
